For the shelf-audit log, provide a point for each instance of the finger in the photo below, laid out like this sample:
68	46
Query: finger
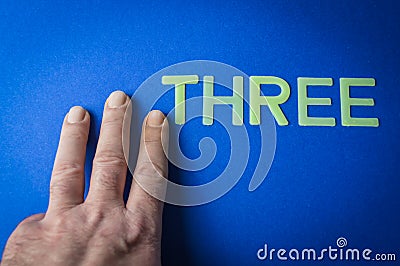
151	168
67	181
109	165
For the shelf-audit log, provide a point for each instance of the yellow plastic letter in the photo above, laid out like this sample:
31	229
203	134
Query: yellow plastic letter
210	100
346	102
273	102
304	102
180	92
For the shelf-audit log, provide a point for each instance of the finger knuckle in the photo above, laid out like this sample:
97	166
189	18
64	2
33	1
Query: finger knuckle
65	174
59	187
77	133
152	139
112	235
112	156
67	168
109	167
93	215
107	177
66	225
113	119
149	168
142	229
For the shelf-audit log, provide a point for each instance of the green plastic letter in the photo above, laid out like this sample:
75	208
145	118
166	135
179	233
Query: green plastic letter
209	100
347	102
304	102
273	102
180	89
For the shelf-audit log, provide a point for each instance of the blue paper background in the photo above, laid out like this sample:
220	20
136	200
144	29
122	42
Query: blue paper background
324	182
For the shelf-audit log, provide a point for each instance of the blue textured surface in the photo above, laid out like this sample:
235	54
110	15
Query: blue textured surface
324	182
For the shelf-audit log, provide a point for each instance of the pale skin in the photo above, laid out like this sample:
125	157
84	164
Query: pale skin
100	229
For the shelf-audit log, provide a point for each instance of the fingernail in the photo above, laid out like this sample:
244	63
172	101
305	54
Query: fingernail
155	118
116	99
76	114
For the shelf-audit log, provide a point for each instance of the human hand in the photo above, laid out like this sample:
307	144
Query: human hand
101	229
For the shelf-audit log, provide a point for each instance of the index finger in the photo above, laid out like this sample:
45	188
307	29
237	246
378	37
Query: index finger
67	181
